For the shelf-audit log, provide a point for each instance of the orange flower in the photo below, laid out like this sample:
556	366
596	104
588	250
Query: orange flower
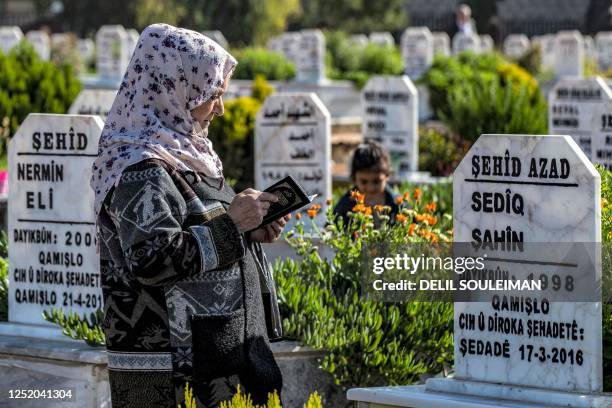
362	208
358	208
411	229
417	194
399	200
406	196
431	207
379	208
357	196
298	216
356	234
313	210
420	217
401	218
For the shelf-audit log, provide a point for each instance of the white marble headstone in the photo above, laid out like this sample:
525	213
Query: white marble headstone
486	43
310	61
390	117
603	46
417	51
516	45
41	42
559	194
10	36
52	250
218	37
601	138
547	49
293	137
112	51
572	103
569	54
381	38
590	51
441	43
87	50
359	39
93	102
62	44
466	42
133	37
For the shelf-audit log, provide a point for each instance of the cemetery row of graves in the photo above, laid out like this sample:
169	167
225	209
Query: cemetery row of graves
469	90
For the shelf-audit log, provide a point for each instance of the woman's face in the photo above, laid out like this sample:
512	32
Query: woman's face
214	106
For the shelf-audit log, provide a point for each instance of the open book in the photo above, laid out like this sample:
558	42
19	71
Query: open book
291	196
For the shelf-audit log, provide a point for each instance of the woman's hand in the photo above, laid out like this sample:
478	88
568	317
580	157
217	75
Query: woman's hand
248	208
271	232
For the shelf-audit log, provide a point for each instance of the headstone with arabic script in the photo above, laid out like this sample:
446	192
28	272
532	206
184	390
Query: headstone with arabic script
293	138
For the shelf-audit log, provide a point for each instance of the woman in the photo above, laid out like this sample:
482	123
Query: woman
188	294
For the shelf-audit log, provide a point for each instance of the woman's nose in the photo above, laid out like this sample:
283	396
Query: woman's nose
219	108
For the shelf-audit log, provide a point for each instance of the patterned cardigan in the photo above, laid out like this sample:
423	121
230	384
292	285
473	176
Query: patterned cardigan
187	297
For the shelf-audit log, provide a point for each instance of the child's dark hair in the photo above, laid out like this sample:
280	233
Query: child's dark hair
372	157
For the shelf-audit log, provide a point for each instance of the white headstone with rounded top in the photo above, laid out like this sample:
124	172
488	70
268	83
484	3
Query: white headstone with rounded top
417	51
569	54
381	38
603	47
466	42
41	42
10	36
391	118
112	51
441	43
516	45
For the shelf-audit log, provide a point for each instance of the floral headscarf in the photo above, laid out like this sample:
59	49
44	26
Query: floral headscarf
172	71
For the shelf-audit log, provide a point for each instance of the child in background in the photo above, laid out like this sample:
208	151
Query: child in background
370	171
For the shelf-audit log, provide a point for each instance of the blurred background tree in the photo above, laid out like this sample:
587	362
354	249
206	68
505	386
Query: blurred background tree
353	16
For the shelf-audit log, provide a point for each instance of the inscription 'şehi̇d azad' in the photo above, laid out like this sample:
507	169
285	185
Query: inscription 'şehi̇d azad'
508	166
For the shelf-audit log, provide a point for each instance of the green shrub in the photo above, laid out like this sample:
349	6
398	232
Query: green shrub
469	69
79	327
606	235
440	154
30	85
254	61
365	342
233	136
488	106
382	60
349	61
3	290
344	55
3	277
240	400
